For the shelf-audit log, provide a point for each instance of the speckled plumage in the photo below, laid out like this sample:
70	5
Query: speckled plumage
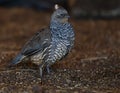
50	44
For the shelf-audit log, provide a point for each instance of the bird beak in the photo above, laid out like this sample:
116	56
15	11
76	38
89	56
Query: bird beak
67	16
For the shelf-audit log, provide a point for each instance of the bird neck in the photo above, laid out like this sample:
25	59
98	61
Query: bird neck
58	25
59	30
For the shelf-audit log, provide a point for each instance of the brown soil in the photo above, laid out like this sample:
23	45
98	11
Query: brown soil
93	66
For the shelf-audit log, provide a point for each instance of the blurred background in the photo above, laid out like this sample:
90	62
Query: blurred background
77	8
93	66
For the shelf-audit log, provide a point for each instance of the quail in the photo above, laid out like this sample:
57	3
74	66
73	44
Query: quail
50	44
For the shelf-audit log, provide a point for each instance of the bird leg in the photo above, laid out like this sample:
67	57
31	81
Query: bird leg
41	70
42	67
48	68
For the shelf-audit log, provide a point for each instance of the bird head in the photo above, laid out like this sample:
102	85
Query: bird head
60	15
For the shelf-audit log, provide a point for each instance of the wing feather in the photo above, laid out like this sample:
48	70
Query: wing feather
37	43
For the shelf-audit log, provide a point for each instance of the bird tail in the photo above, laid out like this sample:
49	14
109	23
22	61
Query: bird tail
17	59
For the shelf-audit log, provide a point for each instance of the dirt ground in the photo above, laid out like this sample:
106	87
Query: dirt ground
93	66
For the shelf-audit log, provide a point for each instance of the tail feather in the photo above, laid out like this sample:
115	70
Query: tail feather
17	59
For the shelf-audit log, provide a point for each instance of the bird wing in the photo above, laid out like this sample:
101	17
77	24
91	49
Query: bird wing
37	43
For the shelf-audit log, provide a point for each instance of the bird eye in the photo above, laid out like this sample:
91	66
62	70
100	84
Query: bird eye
60	15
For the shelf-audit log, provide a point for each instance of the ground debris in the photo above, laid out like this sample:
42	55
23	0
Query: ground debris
93	66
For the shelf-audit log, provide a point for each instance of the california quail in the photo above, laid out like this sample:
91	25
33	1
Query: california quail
50	44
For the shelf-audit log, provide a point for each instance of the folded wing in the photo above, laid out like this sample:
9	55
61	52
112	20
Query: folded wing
37	43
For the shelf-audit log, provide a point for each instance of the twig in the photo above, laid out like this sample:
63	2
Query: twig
17	70
93	58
